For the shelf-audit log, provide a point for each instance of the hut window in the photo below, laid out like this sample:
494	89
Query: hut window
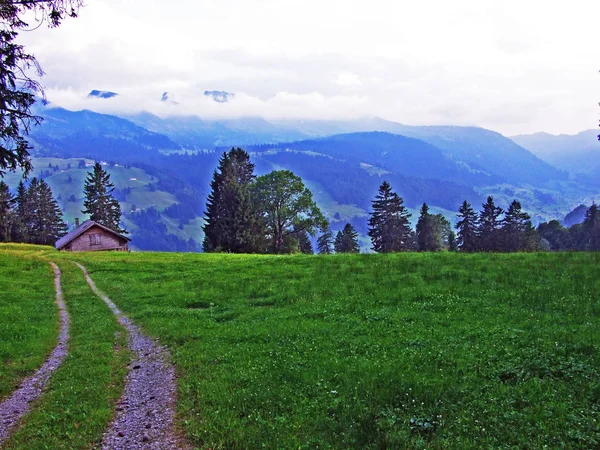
95	239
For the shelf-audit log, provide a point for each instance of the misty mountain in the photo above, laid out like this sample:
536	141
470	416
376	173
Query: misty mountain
102	94
444	167
73	134
578	153
576	216
193	132
219	96
483	153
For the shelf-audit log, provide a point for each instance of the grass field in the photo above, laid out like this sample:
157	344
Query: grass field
373	351
28	317
80	398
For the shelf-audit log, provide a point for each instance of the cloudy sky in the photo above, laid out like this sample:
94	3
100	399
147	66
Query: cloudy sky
512	66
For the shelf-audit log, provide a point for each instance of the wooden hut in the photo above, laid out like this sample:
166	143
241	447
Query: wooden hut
91	236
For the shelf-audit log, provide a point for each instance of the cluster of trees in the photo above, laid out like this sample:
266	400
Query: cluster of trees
32	216
273	213
346	241
584	236
496	230
490	230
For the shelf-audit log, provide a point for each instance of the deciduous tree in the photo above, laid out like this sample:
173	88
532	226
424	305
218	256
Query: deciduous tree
286	206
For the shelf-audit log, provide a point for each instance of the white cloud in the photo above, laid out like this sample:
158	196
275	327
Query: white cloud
512	66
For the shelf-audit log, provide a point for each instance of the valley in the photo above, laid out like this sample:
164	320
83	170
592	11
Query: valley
162	180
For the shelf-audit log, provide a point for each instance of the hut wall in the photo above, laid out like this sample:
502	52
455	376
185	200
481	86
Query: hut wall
96	239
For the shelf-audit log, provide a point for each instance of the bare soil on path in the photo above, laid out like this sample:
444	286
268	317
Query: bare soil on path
15	406
145	413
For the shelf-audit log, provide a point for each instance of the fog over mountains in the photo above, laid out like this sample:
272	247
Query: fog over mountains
163	166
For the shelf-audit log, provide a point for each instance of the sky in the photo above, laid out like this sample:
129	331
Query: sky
511	66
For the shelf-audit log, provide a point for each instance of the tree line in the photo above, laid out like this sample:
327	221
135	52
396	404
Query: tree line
275	213
33	216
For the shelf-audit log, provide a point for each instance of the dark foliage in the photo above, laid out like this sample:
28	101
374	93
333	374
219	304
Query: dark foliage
389	228
17	89
100	202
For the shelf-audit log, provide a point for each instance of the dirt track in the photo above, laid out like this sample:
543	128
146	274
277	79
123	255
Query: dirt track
15	406
146	410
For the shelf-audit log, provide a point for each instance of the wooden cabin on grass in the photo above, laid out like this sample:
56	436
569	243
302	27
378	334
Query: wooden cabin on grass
91	236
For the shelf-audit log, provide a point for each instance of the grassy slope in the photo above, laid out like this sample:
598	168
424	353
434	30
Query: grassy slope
79	400
28	316
486	351
122	177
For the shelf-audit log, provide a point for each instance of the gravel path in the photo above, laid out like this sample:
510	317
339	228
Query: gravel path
145	412
15	406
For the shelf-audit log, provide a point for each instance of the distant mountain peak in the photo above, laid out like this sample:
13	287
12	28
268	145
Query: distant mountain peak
220	96
166	98
102	94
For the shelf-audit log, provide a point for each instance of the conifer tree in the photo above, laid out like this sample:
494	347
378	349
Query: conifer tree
348	240
99	201
47	224
467	226
452	244
489	226
429	231
22	215
325	242
232	223
389	227
515	228
591	229
337	245
6	213
304	244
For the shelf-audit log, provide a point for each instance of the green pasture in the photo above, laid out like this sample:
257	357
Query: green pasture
373	351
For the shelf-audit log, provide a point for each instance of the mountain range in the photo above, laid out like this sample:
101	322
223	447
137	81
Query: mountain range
578	153
343	162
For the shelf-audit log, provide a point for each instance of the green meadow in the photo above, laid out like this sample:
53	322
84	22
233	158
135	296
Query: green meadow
370	351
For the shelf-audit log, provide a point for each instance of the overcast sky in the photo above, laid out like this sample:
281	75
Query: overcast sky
511	66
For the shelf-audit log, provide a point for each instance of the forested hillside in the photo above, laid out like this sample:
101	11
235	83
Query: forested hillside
162	172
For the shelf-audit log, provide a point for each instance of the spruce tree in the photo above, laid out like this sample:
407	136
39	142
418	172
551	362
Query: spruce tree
22	215
452	244
348	240
325	242
591	229
337	245
231	221
304	244
515	229
467	226
47	224
99	201
6	213
429	231
389	228
489	226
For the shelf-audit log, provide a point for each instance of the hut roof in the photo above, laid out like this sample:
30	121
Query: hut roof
82	229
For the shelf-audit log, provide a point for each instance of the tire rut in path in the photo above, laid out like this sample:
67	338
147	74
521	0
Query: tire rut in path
15	406
146	410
